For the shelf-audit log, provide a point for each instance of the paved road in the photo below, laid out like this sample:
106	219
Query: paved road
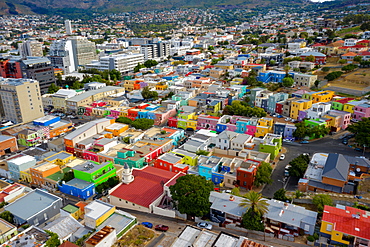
347	90
329	144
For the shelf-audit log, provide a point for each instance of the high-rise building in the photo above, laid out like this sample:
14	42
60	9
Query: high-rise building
37	68
68	26
156	51
30	48
121	62
84	51
61	55
20	99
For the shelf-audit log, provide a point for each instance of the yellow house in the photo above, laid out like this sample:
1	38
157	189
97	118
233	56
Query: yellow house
299	105
323	96
129	85
224	66
117	128
97	212
59	102
236	81
264	126
336	226
73	210
161	86
61	158
333	123
191	124
25	176
350	106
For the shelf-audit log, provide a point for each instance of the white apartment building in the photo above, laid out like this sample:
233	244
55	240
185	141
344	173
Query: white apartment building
157	51
61	56
121	62
84	51
68	26
318	110
30	48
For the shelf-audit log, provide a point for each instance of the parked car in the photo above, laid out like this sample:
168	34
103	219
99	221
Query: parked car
358	149
204	225
147	224
304	142
98	196
350	136
226	191
282	157
10	181
280	116
286	140
161	228
288	119
4	179
345	141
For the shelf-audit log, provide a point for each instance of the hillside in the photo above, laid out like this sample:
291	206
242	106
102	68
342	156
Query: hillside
114	6
105	6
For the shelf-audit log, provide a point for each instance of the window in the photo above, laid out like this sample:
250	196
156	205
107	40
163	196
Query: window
329	227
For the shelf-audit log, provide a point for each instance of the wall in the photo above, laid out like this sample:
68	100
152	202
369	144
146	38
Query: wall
122	203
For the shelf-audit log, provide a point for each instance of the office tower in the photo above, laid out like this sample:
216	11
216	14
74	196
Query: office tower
30	48
156	51
20	99
122	62
84	51
61	56
68	26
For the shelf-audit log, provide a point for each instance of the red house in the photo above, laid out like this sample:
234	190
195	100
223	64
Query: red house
246	173
171	162
279	108
320	58
172	122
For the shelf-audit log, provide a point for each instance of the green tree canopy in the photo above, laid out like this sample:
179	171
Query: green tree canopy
263	175
138	67
241	108
298	165
148	94
252	221
191	195
124	120
53	88
150	63
53	241
361	131
8	216
321	200
310	58
288	81
255	202
142	123
280	195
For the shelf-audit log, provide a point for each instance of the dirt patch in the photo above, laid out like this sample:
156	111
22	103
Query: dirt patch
139	236
358	79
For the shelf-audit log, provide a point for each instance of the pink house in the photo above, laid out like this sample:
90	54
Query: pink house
88	155
207	122
114	113
162	115
251	130
345	118
361	111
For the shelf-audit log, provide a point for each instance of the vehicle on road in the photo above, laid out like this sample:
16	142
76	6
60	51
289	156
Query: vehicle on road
280	116
10	181
358	149
161	228
304	142
204	225
345	141
282	156
286	140
307	154
226	191
286	171
97	196
147	224
4	179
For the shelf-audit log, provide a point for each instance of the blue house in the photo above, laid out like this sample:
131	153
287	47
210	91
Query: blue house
205	165
279	128
241	125
46	120
77	187
142	114
151	115
289	130
272	76
177	136
273	99
219	171
264	104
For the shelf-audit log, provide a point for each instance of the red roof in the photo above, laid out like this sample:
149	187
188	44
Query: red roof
351	221
345	100
364	53
146	187
68	244
349	54
364	41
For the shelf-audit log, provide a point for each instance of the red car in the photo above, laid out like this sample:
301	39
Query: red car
161	228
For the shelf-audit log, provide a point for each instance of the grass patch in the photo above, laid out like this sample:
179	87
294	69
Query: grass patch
345	94
348	30
139	236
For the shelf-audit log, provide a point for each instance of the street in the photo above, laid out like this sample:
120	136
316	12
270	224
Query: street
328	144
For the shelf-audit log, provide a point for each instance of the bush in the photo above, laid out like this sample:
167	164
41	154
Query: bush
333	75
310	238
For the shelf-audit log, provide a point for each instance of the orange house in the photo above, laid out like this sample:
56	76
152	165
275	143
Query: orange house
41	171
60	128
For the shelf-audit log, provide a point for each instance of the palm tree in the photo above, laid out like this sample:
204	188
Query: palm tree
254	202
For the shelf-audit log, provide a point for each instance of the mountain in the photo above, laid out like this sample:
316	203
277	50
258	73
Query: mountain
86	7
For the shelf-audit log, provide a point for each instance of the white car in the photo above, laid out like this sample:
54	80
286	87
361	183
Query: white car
204	225
282	157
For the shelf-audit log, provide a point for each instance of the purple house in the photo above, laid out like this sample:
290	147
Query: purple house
345	118
143	84
114	113
207	122
301	115
289	130
361	111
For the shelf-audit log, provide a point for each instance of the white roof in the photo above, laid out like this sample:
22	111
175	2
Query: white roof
63	226
21	160
97	208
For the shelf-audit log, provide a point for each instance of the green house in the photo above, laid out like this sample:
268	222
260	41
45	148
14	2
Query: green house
271	144
28	138
94	172
131	158
190	159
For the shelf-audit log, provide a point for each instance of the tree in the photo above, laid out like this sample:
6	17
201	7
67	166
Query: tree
272	62
361	131
349	67
298	194
325	69
148	94
317	83
357	59
365	26
124	120
342	61
235	191
301	131
333	75
138	67
202	152
8	216
288	81
191	193
321	200
53	241
263	175
126	140
310	58
150	63
280	195
142	123
255	201
253	221
53	88
68	176
298	165
211	48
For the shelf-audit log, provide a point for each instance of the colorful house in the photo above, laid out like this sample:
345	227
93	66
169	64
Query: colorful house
77	187
361	111
339	104
171	162
344	118
97	212
60	159
206	164
322	96
320	58
345	226
350	106
299	105
246	173
271	144
28	137
265	125
132	158
189	158
94	172
207	122
41	171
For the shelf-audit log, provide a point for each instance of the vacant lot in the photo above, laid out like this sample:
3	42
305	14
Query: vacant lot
139	236
358	79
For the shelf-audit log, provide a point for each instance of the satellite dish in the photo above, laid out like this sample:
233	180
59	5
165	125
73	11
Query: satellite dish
358	169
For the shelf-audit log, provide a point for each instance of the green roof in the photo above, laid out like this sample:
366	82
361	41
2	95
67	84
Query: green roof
70	208
59	175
